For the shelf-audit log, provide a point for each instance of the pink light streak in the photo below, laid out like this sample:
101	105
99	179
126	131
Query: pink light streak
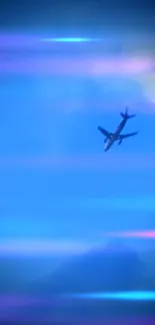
132	234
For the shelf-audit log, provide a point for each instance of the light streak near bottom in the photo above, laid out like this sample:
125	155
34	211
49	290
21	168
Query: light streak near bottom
124	295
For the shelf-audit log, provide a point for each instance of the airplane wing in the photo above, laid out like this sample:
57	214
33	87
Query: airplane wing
105	132
124	136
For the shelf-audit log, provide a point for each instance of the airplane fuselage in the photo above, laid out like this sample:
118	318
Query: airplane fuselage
114	137
121	126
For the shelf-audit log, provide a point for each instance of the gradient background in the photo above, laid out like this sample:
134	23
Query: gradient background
59	192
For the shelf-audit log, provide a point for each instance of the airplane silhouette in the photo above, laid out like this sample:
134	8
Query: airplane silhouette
117	136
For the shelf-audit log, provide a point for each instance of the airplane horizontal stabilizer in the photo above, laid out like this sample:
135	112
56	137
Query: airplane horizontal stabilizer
124	115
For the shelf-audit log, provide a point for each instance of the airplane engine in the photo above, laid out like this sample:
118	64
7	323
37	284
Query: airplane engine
119	142
105	140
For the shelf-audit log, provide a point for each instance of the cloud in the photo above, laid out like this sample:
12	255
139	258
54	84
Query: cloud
147	80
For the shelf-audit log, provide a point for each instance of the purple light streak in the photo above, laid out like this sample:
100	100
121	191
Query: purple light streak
16	314
115	320
11	301
42	247
18	41
13	309
27	247
78	66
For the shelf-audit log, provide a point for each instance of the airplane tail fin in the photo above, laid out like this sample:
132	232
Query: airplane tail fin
126	115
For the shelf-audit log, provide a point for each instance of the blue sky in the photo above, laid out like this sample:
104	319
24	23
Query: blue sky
56	180
60	193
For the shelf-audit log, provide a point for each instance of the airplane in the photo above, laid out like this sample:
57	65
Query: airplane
117	136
